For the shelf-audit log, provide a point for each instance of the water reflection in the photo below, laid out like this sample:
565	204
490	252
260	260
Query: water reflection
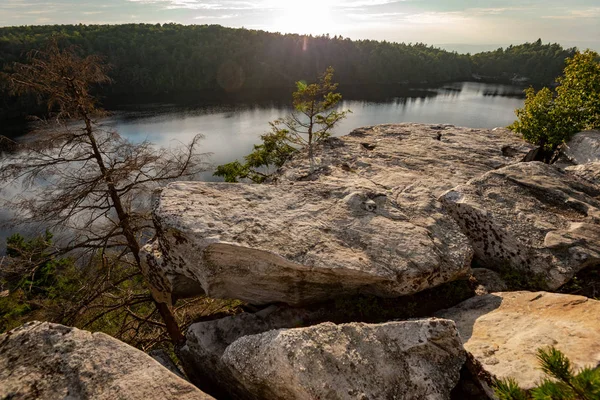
230	130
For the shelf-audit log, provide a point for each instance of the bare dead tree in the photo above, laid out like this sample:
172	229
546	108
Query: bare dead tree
84	179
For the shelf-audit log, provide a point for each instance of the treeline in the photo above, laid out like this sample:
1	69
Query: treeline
541	63
172	58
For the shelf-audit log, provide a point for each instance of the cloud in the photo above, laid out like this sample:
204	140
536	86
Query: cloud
421	18
376	16
481	11
226	16
593	12
258	4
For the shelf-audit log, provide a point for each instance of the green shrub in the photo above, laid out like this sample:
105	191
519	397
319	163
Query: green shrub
549	118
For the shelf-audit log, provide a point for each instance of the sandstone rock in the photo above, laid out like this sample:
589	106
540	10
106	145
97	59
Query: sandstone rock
584	147
418	359
301	243
368	222
504	330
408	159
50	361
530	217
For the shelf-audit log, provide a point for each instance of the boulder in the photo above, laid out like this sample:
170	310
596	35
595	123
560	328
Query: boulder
504	330
532	218
367	222
589	171
488	281
584	147
419	359
207	341
301	243
48	361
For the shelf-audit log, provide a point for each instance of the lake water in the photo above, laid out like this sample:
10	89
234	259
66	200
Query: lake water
231	130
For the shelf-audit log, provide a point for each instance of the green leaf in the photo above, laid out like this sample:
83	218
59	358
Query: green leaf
508	389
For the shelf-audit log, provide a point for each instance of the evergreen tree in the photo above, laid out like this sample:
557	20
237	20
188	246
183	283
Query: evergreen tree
561	382
312	120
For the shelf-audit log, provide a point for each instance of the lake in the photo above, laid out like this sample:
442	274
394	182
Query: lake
231	130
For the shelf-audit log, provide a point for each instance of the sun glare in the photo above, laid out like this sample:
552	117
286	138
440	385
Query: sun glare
305	16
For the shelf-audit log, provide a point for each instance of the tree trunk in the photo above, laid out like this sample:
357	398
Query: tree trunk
165	312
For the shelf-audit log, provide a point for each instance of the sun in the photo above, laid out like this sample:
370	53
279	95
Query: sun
305	16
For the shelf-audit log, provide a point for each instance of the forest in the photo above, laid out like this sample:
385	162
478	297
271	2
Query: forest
172	59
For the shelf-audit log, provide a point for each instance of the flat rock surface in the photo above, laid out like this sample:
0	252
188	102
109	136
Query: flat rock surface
418	359
367	222
47	361
418	162
504	330
530	217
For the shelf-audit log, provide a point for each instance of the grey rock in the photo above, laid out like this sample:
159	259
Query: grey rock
367	222
584	147
531	217
301	243
166	361
589	171
418	359
504	330
488	281
41	360
207	341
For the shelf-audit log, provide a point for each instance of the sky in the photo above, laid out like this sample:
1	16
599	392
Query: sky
462	24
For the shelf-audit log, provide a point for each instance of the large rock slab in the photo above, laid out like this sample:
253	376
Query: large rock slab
504	330
418	162
41	360
207	341
418	359
589	171
301	243
530	217
583	147
368	222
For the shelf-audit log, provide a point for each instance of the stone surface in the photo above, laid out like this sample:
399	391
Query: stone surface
504	330
530	217
584	147
589	171
488	281
166	361
50	361
206	342
418	359
368	222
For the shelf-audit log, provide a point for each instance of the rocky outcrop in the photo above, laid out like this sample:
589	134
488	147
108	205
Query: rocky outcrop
207	341
302	243
414	359
589	172
368	222
49	361
583	148
504	330
530	217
